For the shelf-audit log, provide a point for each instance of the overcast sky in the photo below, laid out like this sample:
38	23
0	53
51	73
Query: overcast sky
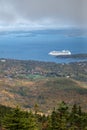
42	14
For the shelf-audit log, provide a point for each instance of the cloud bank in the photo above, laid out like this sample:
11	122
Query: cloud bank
42	14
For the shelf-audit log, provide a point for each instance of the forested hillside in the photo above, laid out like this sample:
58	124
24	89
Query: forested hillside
26	83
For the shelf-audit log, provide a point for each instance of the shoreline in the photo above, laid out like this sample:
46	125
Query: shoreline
75	58
80	56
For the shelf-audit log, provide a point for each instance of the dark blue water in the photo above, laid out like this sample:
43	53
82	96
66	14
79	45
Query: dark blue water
36	45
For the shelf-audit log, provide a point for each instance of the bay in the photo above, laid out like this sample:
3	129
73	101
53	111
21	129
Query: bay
35	45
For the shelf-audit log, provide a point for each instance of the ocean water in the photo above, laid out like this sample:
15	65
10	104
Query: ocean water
35	45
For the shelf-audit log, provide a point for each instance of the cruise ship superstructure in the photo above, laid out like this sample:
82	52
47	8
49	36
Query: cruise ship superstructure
60	53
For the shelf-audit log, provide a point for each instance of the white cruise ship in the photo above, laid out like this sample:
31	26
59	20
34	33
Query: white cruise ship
60	53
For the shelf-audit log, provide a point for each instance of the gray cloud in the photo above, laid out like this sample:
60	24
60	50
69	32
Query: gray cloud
44	12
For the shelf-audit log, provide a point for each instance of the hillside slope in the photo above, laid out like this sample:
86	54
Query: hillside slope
26	83
46	92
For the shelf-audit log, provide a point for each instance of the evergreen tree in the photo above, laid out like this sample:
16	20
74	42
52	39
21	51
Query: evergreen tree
55	120
60	117
78	120
19	120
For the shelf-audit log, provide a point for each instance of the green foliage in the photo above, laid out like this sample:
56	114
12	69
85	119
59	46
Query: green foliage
19	120
59	117
62	118
78	119
3	111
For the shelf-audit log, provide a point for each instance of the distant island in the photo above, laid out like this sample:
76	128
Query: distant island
80	56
